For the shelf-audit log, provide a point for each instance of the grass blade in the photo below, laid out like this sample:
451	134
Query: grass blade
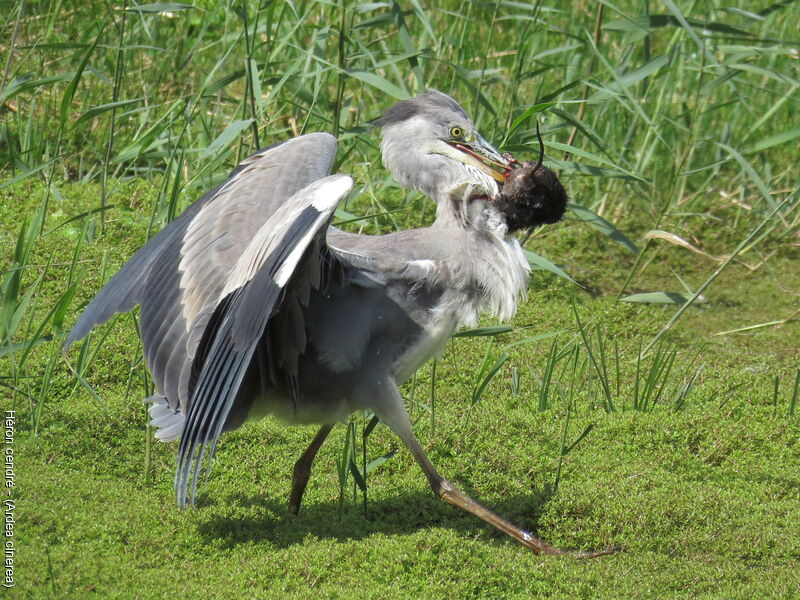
600	224
542	263
744	243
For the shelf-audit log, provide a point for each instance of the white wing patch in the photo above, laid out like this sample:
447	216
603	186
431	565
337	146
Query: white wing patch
323	195
425	265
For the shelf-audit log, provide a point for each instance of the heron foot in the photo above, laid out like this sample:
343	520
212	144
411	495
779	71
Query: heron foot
447	492
596	553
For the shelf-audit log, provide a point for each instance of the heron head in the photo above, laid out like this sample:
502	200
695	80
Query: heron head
430	144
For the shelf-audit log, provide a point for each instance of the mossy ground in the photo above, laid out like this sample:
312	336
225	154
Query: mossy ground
705	501
677	116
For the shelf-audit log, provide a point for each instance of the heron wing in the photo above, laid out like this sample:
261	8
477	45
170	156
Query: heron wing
179	274
252	293
126	288
404	255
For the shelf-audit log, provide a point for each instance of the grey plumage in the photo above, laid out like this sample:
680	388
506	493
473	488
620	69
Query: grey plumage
429	105
252	304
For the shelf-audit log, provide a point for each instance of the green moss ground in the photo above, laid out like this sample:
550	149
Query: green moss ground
705	501
677	116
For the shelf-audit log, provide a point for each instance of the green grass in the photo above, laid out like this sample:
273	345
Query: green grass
669	428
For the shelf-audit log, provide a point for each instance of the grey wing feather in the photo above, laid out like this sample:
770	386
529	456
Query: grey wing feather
219	234
251	295
222	230
181	270
126	288
406	255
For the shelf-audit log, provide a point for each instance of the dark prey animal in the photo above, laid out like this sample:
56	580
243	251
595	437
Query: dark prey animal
531	195
252	304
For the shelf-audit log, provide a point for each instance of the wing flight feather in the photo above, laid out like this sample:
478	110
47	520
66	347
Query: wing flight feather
178	276
251	295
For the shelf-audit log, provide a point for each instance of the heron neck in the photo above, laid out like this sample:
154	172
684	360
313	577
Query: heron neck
488	266
468	207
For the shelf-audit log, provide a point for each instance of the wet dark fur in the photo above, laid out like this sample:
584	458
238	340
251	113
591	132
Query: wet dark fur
532	195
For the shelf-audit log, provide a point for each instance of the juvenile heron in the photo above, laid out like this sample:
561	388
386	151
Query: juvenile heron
252	304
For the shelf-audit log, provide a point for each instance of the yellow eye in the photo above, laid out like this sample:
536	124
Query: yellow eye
456	133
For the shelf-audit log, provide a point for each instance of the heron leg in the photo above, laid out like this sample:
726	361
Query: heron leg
397	418
302	468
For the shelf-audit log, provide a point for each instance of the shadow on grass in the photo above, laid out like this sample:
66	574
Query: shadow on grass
401	514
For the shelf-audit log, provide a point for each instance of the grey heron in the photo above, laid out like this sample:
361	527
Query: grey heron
253	304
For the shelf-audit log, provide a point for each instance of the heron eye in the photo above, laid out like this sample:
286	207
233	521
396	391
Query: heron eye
456	133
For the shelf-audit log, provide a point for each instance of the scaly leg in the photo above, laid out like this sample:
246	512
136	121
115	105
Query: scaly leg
302	468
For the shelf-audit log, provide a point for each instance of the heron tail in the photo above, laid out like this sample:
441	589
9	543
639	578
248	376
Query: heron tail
168	420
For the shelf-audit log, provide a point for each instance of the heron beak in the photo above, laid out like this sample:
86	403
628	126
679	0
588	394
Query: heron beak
485	157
